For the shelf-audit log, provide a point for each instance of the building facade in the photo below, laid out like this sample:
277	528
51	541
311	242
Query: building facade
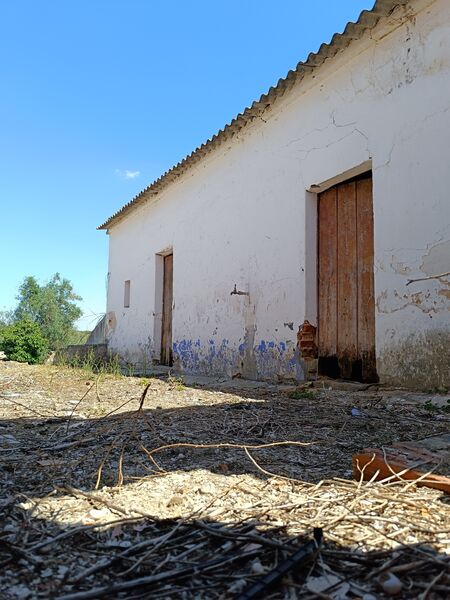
319	204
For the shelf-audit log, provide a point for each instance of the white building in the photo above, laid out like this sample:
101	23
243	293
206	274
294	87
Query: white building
319	202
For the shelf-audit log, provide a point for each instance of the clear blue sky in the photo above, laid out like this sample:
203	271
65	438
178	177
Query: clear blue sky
99	97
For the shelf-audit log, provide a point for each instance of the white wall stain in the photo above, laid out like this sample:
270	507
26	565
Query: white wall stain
437	259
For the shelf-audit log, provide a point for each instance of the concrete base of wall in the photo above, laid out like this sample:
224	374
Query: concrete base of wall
419	361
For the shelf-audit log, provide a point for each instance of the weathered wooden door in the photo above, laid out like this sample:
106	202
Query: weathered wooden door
166	331
346	305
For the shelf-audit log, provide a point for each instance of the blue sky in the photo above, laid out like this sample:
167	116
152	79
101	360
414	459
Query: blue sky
99	97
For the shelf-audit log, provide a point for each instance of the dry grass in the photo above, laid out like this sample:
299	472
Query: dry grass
187	492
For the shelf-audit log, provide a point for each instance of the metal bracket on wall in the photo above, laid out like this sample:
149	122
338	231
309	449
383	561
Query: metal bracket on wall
238	292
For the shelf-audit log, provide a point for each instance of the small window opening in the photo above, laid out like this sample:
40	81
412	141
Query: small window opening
126	294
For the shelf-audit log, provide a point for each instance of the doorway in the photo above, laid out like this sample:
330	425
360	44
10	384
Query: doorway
346	303
167	301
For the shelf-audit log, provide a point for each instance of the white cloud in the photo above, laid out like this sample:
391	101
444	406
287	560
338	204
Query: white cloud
131	174
127	174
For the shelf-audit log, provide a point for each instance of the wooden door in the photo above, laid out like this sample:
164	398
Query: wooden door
166	331
346	304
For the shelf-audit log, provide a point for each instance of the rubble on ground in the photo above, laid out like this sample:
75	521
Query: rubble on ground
121	487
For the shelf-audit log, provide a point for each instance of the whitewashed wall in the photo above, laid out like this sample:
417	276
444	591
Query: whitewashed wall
246	215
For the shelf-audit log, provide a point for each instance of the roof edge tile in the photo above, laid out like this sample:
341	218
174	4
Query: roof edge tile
339	41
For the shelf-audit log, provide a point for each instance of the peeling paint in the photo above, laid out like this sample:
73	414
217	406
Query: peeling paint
272	360
248	362
401	268
111	320
191	356
276	360
437	259
429	301
446	294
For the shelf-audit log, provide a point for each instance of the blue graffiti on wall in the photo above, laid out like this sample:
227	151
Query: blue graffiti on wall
273	359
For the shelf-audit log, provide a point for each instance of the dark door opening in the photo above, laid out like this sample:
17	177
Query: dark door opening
166	329
346	303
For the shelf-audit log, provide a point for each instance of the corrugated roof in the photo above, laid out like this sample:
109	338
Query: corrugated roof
353	31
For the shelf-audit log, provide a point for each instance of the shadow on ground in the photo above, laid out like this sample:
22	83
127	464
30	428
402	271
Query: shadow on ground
202	500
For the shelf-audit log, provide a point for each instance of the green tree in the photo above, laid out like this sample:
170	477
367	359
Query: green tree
6	318
52	306
24	341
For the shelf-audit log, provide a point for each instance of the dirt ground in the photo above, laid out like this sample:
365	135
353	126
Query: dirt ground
123	487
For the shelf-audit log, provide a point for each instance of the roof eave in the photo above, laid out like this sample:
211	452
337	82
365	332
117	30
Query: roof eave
368	19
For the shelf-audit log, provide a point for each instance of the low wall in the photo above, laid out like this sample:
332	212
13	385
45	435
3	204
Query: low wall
81	353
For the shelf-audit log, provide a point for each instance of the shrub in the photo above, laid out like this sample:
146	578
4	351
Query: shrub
52	305
24	341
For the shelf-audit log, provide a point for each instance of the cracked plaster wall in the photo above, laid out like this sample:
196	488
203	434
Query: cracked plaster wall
241	215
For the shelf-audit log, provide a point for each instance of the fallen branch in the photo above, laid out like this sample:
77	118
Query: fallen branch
229	445
424	595
171	575
77	405
17	552
75	530
276	575
108	562
427	278
222	532
111	505
144	393
268	473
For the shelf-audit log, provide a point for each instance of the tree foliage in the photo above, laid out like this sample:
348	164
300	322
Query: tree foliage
6	318
24	341
52	306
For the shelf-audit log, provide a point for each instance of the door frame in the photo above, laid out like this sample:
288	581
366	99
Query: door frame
158	303
167	316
